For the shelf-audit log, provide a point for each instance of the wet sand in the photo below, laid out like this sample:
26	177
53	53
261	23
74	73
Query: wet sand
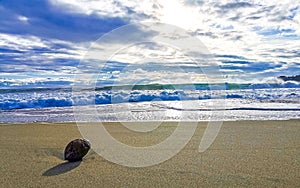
244	154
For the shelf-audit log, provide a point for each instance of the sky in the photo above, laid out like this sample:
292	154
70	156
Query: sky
45	43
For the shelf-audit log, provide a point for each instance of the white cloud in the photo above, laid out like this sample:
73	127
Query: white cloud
31	54
19	42
150	52
132	9
23	19
31	44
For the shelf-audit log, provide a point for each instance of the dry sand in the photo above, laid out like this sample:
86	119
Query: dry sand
245	154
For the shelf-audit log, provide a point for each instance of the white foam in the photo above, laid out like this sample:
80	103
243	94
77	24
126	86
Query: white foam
201	110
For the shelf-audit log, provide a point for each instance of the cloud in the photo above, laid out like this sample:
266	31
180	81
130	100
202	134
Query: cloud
30	54
129	9
48	21
8	80
231	6
249	67
261	31
23	19
250	40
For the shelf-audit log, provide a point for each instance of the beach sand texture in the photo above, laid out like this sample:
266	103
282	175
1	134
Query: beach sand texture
244	154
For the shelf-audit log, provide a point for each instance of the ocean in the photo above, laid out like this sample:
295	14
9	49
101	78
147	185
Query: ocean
155	102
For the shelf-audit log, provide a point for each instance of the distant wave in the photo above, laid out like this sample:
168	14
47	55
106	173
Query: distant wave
228	86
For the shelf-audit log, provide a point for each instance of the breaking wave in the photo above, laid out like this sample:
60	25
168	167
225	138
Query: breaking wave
12	99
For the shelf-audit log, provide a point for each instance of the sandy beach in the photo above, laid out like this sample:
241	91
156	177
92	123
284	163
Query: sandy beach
245	154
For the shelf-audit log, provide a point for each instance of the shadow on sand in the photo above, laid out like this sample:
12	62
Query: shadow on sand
61	168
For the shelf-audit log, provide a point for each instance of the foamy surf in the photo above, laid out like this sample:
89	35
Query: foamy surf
189	110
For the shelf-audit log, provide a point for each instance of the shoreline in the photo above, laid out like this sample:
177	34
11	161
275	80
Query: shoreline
150	121
244	154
